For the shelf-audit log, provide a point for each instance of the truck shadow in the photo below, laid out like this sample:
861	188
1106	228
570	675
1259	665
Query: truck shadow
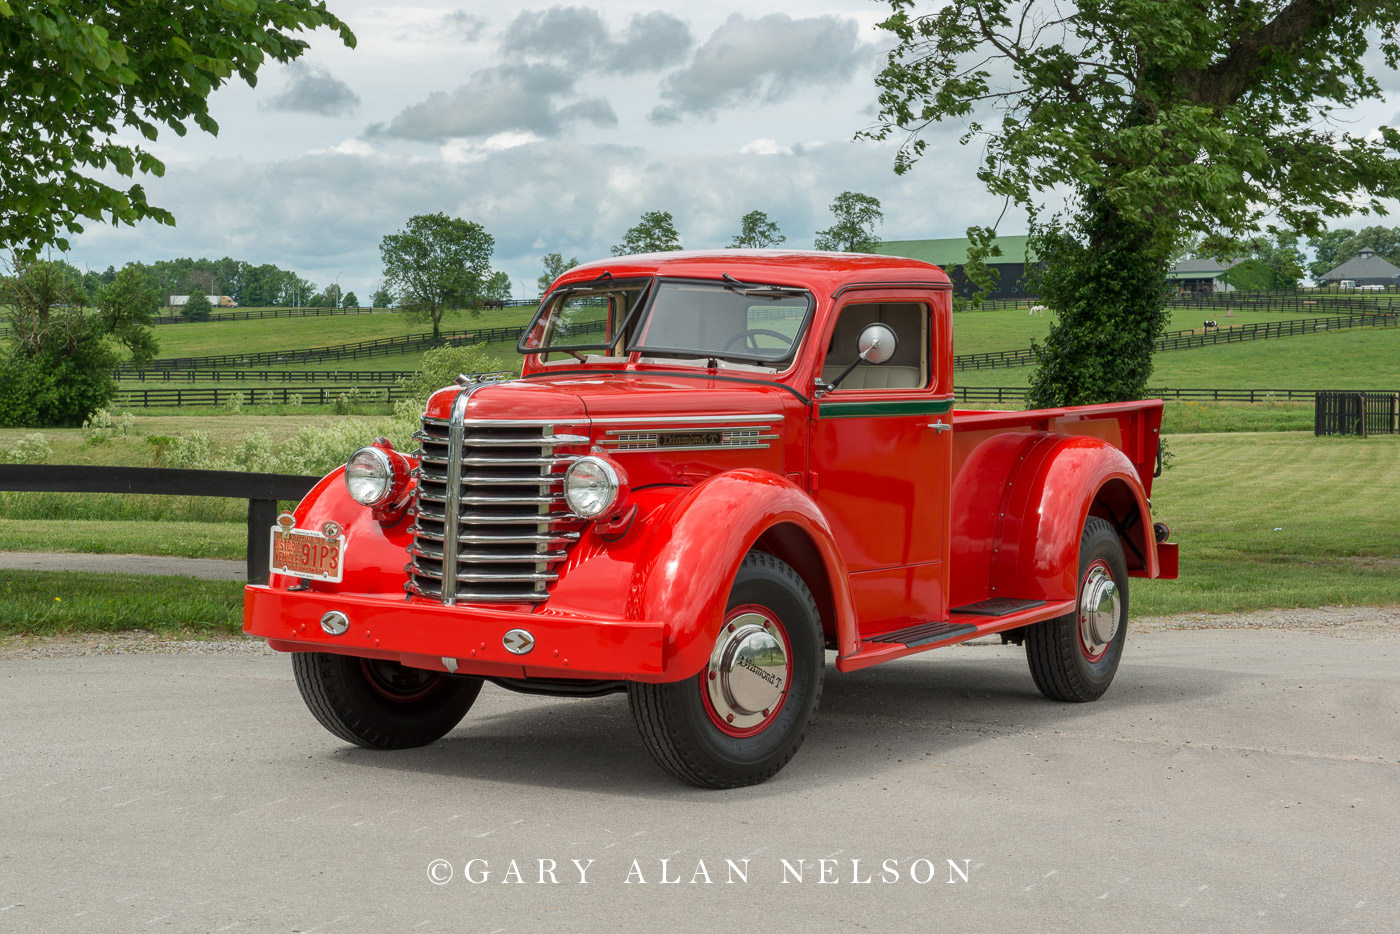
869	721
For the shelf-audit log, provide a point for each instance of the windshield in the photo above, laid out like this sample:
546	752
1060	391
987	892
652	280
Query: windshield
587	316
736	321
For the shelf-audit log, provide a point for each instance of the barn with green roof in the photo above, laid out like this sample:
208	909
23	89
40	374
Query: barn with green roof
951	254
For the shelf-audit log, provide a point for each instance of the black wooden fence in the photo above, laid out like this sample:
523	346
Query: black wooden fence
1196	337
359	350
355	377
1357	413
261	490
1017	394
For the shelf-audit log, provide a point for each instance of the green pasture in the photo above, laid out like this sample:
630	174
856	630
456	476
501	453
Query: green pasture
1360	358
1278	520
985	331
199	339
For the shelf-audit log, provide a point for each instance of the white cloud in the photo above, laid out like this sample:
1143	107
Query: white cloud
520	97
763	60
312	89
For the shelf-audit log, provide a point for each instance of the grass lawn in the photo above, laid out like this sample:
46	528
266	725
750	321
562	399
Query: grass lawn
127	537
221	337
984	331
1278	520
1364	358
47	602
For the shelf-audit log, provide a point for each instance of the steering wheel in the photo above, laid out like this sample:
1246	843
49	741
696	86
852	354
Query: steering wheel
751	336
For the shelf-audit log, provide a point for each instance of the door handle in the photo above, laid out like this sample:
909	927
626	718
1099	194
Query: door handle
939	426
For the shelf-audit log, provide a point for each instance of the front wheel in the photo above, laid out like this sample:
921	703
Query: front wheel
1074	657
381	704
745	715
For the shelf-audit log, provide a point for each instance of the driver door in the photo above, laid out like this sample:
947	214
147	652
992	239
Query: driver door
880	463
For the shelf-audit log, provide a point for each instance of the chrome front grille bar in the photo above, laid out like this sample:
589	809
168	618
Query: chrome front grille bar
491	523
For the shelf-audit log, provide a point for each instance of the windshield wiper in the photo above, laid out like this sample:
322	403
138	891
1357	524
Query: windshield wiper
761	291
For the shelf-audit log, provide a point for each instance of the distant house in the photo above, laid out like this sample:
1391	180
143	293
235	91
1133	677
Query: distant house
218	301
1365	268
951	253
1201	276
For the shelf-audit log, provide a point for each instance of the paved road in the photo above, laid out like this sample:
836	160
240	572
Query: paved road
1231	781
219	569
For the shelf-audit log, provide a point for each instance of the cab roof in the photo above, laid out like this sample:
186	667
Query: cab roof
821	272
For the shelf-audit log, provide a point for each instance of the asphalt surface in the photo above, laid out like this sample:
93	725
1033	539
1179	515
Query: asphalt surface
207	568
1230	781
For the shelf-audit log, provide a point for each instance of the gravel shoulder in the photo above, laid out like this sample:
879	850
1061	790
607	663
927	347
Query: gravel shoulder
1365	623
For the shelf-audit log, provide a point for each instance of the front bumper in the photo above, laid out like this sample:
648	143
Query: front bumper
467	639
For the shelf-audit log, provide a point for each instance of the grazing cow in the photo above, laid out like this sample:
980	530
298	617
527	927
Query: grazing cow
1211	325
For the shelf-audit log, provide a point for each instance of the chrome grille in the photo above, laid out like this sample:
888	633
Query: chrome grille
508	527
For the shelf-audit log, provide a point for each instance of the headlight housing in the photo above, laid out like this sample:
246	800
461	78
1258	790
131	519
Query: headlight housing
370	477
592	486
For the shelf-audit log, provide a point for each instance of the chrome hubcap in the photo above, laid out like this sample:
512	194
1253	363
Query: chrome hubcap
1099	610
748	671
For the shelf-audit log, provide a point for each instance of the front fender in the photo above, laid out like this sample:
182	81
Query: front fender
696	547
374	554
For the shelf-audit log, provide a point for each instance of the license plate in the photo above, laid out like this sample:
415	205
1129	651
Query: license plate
314	555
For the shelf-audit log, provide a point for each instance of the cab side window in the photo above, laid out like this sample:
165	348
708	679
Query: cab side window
907	369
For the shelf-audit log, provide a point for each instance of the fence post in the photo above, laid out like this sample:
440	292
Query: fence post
262	515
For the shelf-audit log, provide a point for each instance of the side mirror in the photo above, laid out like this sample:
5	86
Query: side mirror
877	344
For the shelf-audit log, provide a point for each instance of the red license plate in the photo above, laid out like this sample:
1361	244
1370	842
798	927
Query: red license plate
311	555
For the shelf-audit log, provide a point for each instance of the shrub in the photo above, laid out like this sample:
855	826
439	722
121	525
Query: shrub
98	425
194	452
31	449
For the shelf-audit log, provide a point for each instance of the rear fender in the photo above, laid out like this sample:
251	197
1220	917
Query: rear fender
1062	481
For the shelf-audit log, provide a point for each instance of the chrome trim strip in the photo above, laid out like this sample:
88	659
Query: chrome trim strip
630	419
698	447
477	442
684	431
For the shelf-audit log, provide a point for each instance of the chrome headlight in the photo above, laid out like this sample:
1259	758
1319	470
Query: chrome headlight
591	487
369	476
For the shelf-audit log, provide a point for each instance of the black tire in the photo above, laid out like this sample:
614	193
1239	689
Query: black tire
680	731
381	704
1058	659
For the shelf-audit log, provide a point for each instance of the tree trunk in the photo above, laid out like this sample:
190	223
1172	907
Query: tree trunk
1105	282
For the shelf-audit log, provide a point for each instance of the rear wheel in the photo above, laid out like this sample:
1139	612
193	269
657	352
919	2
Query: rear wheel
381	704
743	717
1074	657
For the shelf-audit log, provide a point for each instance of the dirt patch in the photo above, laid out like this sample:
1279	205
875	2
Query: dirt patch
131	642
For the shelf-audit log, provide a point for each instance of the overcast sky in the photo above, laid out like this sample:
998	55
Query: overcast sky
554	127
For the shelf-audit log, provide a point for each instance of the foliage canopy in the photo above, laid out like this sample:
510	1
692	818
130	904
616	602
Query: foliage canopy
857	215
1160	119
654	233
437	263
80	73
757	231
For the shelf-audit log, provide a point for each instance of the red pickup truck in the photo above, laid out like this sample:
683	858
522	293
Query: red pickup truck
713	469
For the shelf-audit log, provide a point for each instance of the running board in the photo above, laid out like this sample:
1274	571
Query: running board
965	625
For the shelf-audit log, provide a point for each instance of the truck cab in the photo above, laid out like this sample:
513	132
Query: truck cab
713	470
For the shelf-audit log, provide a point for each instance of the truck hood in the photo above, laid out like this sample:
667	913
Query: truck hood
577	396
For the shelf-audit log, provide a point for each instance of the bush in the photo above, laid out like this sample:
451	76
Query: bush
31	449
442	365
196	307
